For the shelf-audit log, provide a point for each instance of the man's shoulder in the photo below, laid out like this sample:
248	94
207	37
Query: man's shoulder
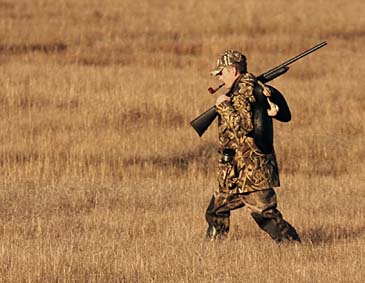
246	84
247	79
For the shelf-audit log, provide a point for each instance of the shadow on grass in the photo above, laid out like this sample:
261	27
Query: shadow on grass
330	235
15	49
201	155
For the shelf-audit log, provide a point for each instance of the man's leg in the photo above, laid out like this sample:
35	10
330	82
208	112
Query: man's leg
263	210
218	222
218	212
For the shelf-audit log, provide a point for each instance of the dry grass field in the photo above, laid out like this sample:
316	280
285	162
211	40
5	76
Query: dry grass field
102	179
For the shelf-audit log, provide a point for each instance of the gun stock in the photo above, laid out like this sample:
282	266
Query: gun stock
203	121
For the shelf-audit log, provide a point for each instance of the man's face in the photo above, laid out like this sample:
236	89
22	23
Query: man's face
228	76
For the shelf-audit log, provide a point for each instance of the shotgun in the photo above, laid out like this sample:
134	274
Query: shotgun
203	121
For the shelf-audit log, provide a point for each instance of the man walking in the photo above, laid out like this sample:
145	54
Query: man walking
247	173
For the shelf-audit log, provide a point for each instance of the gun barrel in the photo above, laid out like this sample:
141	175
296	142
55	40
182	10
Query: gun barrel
296	58
264	78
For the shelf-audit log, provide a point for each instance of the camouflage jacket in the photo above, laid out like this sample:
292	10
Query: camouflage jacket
251	170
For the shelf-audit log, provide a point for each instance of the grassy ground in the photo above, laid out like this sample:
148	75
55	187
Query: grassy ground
102	177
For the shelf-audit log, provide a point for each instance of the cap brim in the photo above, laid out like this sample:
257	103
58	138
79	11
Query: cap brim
216	71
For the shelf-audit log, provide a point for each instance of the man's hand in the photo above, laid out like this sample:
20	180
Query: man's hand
221	98
265	89
274	109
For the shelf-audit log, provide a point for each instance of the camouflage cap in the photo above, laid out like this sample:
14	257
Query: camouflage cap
229	57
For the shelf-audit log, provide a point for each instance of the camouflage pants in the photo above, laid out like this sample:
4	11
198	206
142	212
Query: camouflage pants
262	205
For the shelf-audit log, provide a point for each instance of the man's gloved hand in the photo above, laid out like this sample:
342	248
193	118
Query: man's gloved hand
274	109
221	98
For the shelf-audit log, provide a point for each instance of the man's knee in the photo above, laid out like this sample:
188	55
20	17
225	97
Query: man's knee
215	210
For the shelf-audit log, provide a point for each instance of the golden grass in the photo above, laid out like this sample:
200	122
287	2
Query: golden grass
102	177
